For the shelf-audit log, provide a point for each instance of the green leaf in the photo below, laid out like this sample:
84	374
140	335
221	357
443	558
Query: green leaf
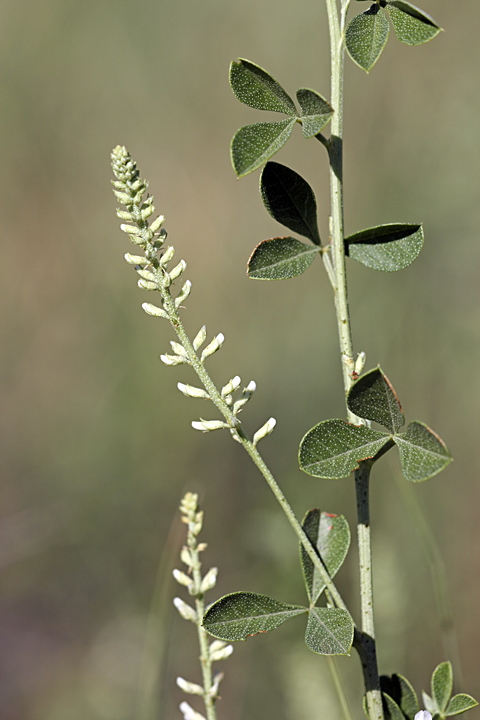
372	397
290	200
316	111
333	448
399	689
366	36
442	684
429	704
240	615
280	258
329	631
256	88
253	145
330	536
412	26
387	247
422	453
392	711
459	704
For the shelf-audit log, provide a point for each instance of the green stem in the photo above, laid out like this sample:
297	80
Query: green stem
365	641
337	681
205	661
248	445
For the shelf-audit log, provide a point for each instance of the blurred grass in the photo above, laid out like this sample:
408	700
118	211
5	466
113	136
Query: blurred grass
95	439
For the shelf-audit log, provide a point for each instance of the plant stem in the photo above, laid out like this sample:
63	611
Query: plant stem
342	699
365	641
205	661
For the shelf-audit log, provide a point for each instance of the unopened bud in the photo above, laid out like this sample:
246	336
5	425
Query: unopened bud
200	338
264	430
189	713
157	223
231	386
185	557
146	275
131	229
177	348
178	270
174	359
147	211
183	294
208	425
146	285
154	310
182	578
212	347
167	256
189	687
123	215
135	259
209	581
221	653
360	363
193	392
246	395
187	612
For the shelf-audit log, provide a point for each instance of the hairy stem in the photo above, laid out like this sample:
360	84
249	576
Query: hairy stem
366	640
205	661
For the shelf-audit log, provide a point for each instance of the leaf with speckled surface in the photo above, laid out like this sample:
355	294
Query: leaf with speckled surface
239	615
372	397
253	145
442	684
316	111
388	248
333	449
330	536
280	259
255	87
329	631
400	690
290	200
422	453
366	36
459	704
412	26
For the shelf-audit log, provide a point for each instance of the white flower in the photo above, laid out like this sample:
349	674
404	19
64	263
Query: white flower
423	715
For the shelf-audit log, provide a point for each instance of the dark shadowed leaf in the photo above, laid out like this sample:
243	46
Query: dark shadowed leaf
399	689
422	453
391	709
253	86
442	684
329	631
253	145
372	397
459	704
386	247
290	200
280	259
242	614
412	26
333	448
316	111
330	536
366	36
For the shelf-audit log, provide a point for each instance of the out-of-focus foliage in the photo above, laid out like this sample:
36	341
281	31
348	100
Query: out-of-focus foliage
96	443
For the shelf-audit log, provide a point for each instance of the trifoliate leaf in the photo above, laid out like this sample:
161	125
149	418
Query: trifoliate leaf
316	111
372	397
412	26
422	453
255	87
366	36
280	258
459	704
240	615
388	248
253	145
290	200
333	449
442	684
329	631
330	536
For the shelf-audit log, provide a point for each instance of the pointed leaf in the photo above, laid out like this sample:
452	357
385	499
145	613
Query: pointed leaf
256	88
412	26
372	397
316	111
387	247
392	711
253	145
366	36
459	704
280	258
442	684
239	615
333	448
330	536
422	453
329	631
290	200
399	689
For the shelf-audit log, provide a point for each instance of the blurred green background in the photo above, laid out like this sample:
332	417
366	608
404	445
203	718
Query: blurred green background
96	443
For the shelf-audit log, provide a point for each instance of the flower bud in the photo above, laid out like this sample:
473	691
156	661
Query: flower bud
264	430
189	713
208	425
178	270
209	581
212	347
184	293
193	392
174	360
167	256
135	259
200	338
182	578
189	687
231	386
146	285
187	612
154	310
